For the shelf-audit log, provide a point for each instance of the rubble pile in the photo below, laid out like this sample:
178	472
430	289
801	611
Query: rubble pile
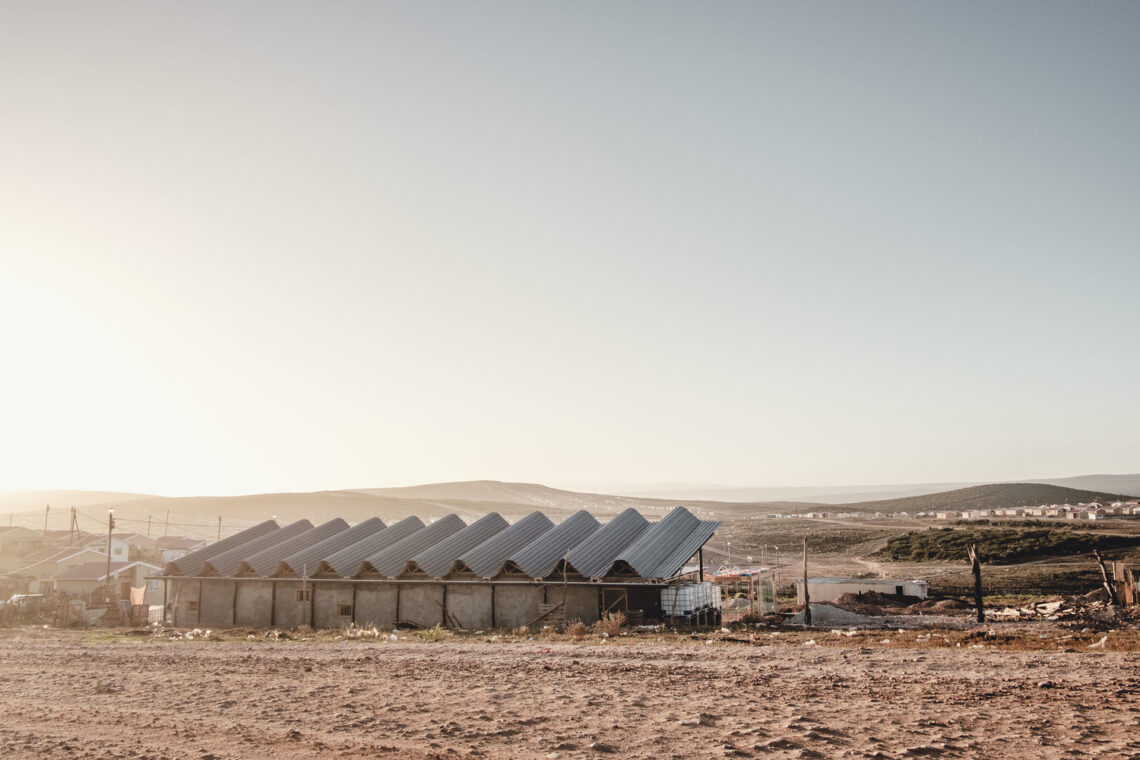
1092	609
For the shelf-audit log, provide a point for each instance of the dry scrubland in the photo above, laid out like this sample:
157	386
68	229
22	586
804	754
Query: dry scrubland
71	694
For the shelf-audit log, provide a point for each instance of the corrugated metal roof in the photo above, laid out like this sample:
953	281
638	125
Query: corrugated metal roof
627	546
662	550
594	556
436	560
265	561
486	559
306	559
346	561
191	562
226	563
391	561
539	558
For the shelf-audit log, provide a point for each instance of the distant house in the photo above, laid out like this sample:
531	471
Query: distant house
120	549
43	566
19	542
85	579
171	548
947	515
828	589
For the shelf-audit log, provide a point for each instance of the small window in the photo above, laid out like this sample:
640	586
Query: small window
192	605
304	595
344	610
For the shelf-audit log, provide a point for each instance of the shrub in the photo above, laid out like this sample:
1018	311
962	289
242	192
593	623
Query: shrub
611	623
577	630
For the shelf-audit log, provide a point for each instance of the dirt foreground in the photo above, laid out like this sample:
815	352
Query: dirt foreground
81	695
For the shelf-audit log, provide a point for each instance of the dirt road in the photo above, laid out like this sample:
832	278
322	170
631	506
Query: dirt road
70	695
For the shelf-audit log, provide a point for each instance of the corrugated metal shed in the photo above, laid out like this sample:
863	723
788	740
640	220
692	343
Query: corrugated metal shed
306	559
190	563
226	563
539	558
662	550
436	560
486	559
346	561
266	560
391	561
594	556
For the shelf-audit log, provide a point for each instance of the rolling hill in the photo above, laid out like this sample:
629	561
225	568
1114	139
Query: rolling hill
199	515
995	496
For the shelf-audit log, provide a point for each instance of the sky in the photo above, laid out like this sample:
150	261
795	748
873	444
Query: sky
275	246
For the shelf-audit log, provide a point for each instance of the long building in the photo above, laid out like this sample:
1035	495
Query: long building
486	574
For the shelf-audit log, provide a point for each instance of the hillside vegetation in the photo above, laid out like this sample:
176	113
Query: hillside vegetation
999	546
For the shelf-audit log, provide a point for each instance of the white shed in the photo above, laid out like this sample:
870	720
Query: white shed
828	589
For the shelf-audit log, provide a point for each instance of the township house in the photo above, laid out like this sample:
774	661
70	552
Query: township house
86	578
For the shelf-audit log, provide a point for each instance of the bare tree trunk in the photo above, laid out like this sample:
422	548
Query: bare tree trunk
807	594
976	567
1104	575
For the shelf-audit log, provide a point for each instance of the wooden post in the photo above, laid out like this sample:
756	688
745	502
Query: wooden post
807	594
976	567
1107	583
700	563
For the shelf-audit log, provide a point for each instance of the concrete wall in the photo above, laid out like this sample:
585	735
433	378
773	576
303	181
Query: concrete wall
287	611
581	602
469	606
217	603
254	604
328	597
181	593
376	605
516	604
421	604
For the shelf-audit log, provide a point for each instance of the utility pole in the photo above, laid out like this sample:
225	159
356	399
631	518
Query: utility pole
166	530
219	527
110	528
148	526
807	594
976	568
47	510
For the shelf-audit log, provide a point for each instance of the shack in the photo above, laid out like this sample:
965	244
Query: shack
829	589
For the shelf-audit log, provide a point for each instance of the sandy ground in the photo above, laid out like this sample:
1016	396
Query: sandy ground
72	695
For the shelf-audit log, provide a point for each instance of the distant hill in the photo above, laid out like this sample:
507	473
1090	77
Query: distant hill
801	494
198	515
1125	485
996	496
21	501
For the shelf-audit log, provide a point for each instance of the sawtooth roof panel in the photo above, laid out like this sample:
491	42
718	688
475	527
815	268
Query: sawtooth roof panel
436	560
226	563
486	559
307	558
391	560
193	561
265	561
539	558
347	560
661	551
594	556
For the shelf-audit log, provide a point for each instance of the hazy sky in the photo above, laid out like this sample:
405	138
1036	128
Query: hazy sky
296	246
